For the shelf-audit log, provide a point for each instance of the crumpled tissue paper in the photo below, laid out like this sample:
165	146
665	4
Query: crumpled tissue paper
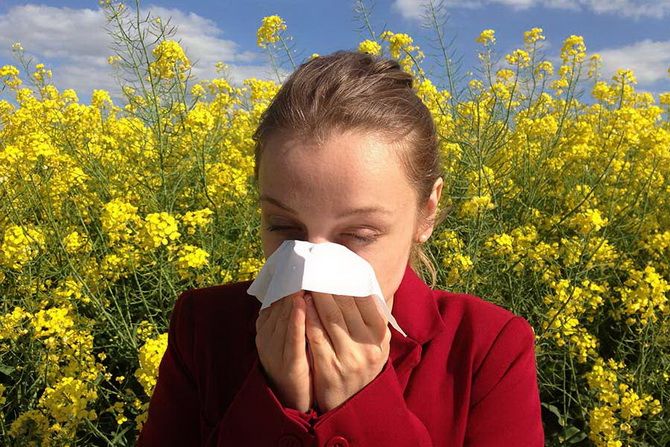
325	267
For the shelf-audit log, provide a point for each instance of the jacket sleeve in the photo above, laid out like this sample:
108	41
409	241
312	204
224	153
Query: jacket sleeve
173	416
257	417
174	413
376	415
505	405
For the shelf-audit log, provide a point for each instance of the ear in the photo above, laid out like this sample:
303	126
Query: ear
430	211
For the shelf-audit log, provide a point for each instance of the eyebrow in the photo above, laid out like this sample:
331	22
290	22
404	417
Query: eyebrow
349	212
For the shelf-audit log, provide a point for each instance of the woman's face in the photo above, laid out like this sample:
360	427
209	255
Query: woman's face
352	191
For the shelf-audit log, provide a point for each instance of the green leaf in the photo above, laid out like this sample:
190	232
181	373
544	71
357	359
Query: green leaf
6	369
574	435
554	410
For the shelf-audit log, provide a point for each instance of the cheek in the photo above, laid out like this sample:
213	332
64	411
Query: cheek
382	259
389	262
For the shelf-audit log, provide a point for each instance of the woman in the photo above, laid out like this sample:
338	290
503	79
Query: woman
348	153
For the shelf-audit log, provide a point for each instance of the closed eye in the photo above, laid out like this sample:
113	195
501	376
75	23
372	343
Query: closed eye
362	239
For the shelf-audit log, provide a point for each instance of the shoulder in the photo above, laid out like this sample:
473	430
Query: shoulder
471	310
223	305
232	293
483	327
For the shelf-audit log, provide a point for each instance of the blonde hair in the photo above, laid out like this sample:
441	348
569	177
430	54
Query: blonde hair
354	91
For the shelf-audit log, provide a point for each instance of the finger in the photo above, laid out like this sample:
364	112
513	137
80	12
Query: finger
310	360
294	337
268	317
371	314
266	342
284	315
262	318
320	345
352	317
332	320
278	308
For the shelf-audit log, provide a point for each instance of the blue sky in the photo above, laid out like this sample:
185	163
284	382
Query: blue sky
68	36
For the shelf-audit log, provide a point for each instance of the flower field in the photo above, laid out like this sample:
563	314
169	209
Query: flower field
559	210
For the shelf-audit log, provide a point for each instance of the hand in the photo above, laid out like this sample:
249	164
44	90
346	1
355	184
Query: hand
282	350
349	341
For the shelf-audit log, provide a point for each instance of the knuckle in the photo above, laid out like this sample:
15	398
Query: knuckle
349	303
357	363
317	338
372	355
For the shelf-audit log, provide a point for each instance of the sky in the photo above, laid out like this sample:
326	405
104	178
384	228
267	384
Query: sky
69	37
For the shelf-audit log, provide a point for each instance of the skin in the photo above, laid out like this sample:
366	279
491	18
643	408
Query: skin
319	352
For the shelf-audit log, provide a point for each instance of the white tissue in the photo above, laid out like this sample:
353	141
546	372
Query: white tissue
325	267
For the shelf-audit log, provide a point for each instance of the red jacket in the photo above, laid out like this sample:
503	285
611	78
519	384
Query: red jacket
465	375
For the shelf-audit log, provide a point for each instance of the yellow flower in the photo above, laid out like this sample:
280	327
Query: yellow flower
545	68
475	84
75	243
573	49
169	57
624	76
198	90
533	35
31	428
476	205
587	221
67	401
269	30
158	229
197	219
249	268
370	46
398	43
119	220
100	97
150	356
190	257
20	245
486	37
643	295
8	70
13	325
505	74
595	62
455	262
518	57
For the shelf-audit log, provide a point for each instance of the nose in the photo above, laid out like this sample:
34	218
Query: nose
317	239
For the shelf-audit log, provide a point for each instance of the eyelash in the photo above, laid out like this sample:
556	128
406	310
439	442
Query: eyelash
362	239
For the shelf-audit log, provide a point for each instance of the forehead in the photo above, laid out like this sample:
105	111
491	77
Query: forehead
348	168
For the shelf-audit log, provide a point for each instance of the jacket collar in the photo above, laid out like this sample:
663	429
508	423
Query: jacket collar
415	308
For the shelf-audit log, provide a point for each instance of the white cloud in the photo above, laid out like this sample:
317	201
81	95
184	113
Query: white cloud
636	9
414	9
75	45
648	59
